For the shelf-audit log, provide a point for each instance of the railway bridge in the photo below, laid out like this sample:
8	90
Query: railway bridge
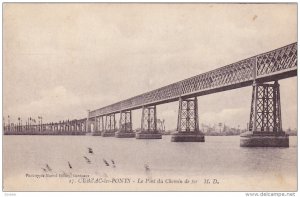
262	72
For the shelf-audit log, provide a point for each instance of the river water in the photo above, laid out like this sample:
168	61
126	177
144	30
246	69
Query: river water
221	158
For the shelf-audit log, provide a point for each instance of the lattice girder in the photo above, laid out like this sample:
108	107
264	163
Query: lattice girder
264	66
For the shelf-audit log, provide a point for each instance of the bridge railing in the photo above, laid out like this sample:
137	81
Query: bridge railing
277	60
247	70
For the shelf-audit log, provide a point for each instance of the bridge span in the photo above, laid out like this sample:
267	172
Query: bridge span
270	66
262	72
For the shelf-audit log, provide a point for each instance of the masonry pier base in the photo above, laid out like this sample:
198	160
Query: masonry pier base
96	133
146	135
108	134
125	134
250	139
188	137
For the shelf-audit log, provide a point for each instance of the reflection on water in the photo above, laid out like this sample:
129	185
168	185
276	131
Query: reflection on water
110	156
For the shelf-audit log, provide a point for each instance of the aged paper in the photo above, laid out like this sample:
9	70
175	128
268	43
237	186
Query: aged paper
62	59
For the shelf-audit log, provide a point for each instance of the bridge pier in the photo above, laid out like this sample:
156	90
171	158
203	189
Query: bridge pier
83	127
265	128
148	125
110	126
97	130
125	125
88	124
101	124
187	124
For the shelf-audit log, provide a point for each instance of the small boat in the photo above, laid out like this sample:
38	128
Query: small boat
70	165
106	163
87	159
90	150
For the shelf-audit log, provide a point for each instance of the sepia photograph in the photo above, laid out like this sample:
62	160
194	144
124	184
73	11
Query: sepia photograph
149	97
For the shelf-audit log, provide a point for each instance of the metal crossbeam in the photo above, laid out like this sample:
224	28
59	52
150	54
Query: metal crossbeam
149	120
273	65
125	124
265	115
188	115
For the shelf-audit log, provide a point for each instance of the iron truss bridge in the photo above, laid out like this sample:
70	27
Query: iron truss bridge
273	65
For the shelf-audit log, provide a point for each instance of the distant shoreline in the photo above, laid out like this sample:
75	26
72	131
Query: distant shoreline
89	134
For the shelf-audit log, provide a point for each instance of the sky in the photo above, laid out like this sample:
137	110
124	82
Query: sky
59	60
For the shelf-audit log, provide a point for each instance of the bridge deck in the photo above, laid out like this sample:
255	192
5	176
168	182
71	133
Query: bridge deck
273	65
